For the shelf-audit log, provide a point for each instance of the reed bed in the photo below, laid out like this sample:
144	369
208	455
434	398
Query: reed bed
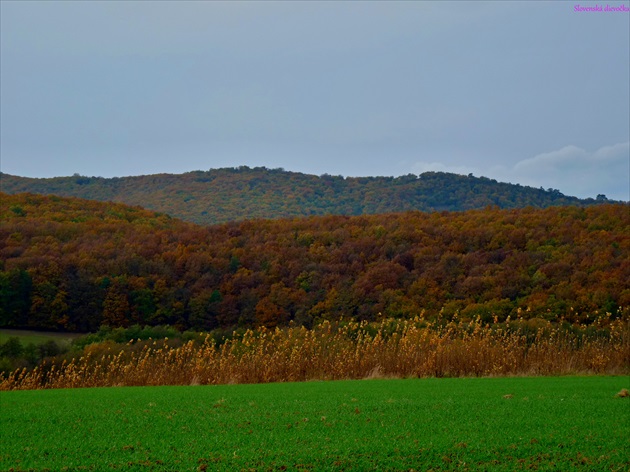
345	350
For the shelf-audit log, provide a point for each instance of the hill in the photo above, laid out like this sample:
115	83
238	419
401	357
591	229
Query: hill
73	264
236	194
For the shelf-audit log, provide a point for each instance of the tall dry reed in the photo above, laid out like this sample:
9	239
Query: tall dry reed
330	351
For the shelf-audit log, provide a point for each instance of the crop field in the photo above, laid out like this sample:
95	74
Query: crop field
515	423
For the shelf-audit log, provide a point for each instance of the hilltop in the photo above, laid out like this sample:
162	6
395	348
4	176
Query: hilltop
73	264
236	194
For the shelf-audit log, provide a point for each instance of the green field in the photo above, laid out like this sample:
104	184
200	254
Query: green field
37	337
544	423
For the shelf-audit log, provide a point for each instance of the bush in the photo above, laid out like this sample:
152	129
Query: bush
12	348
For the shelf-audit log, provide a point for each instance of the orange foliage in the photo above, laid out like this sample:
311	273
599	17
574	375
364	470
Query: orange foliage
332	351
75	264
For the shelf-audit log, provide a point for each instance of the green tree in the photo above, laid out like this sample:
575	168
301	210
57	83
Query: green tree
15	297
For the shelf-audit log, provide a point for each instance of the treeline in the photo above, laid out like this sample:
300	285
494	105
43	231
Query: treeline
21	352
70	264
14	354
236	194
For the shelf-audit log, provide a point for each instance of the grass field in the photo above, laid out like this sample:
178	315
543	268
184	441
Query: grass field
544	423
36	337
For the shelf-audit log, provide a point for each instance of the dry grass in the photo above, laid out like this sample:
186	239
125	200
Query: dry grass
331	351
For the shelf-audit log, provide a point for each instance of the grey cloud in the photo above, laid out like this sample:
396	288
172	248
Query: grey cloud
572	170
572	159
579	172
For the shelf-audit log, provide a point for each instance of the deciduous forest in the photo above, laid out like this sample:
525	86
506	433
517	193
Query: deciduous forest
73	265
236	194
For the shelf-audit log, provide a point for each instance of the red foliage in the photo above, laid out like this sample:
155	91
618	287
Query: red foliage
74	264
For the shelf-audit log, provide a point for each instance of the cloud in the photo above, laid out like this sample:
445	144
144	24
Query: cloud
572	170
576	171
573	159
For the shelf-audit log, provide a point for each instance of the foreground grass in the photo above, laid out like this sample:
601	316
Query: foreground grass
546	423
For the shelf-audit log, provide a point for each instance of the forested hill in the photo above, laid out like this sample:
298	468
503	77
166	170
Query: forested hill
74	264
236	194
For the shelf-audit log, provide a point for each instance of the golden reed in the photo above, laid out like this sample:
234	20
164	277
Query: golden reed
345	350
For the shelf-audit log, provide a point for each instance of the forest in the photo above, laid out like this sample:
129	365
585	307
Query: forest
69	264
236	194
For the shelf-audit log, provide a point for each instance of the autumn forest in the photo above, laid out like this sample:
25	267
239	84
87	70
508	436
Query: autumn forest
242	193
71	264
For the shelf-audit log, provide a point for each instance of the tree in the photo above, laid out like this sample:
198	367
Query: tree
116	307
12	348
15	297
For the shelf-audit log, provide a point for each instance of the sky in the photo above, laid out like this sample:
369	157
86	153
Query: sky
536	93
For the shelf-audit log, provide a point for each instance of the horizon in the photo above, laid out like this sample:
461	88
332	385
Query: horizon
281	169
344	88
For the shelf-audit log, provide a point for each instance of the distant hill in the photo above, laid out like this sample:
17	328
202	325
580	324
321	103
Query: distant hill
235	194
73	264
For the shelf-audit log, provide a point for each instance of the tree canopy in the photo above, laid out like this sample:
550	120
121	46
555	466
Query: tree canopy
236	194
73	264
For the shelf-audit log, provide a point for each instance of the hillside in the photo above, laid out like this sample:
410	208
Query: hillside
236	194
74	264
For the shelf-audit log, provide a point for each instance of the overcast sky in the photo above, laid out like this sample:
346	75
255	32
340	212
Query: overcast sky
524	92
